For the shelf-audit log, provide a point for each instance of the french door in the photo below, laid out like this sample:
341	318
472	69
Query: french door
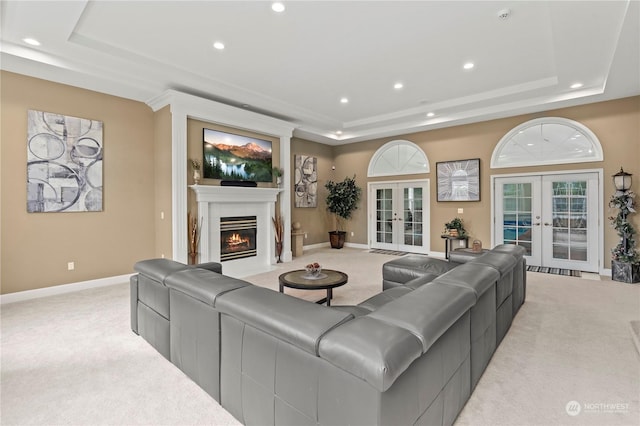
554	217
399	216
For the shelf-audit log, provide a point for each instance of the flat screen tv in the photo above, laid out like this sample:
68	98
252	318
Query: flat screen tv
234	157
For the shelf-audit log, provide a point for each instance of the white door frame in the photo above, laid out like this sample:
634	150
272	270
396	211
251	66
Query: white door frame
601	215
426	210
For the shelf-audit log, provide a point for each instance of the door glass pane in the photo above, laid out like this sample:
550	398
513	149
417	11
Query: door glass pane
569	220
516	218
384	214
412	216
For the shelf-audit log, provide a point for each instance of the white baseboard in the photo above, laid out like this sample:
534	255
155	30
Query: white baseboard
316	246
356	245
20	296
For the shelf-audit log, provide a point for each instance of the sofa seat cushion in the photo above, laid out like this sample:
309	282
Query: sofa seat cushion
280	315
428	311
380	299
203	285
374	351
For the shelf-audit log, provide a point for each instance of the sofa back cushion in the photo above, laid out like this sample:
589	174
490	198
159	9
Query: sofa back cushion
428	311
373	350
203	285
476	277
285	317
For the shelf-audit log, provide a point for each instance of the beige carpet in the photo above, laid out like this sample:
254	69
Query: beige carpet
72	359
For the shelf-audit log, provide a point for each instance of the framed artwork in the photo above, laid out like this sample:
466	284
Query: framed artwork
64	163
306	181
458	180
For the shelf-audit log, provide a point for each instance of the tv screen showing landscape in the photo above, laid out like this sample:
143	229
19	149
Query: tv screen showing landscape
234	157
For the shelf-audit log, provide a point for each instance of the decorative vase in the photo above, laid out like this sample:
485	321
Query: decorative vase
196	176
193	258
279	251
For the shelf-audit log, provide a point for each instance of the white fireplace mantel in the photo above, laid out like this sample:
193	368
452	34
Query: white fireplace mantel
215	202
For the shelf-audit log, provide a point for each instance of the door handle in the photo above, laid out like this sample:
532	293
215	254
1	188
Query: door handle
536	224
547	224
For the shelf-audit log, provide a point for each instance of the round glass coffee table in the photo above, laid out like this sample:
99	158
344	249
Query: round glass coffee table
328	279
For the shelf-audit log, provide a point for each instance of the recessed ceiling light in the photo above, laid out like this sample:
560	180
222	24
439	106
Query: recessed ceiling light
576	85
31	41
338	132
277	7
218	45
468	65
398	86
344	100
430	114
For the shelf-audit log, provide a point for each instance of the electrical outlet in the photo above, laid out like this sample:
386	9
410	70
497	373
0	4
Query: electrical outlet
460	210
162	255
71	266
305	235
352	233
162	215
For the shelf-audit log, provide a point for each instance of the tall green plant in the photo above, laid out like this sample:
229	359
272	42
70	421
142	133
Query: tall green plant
342	199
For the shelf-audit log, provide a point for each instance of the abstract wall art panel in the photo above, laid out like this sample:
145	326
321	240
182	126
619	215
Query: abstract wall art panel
306	181
64	163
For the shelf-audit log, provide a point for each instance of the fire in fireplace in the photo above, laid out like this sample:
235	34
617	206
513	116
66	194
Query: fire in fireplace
237	237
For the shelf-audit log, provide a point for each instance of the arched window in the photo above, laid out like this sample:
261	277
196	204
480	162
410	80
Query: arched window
550	140
398	157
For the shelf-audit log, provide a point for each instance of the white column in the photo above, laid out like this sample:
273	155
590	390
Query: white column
285	196
179	184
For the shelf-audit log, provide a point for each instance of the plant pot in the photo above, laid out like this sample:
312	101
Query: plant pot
625	272
336	238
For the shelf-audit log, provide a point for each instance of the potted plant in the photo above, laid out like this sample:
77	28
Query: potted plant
342	200
277	172
455	228
625	261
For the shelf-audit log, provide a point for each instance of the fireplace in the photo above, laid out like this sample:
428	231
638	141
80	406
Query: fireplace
237	237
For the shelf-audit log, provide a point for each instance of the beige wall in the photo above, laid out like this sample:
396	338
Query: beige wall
315	222
615	123
37	246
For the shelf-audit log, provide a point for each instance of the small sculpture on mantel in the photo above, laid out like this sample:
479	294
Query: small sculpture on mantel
195	167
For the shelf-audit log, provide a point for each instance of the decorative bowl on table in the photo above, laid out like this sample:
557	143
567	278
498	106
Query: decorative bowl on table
313	269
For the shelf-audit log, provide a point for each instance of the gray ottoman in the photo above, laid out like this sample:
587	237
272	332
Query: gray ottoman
399	271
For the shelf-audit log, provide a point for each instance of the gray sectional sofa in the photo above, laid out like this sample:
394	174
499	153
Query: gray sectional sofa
411	354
